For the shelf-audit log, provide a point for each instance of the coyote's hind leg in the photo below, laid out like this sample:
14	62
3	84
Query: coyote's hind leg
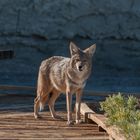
36	107
51	102
39	103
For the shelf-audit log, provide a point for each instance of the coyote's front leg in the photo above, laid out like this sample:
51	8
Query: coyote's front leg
69	107
78	105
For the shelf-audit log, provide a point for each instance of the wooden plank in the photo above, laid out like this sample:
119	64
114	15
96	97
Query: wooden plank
101	121
24	126
17	122
5	54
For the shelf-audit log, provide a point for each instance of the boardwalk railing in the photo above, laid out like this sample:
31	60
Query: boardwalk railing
14	87
87	92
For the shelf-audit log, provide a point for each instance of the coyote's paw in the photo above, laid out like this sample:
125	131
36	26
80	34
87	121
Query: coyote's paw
78	121
69	123
37	116
57	117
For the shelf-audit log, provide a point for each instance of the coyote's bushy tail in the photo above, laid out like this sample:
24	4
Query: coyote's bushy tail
41	106
42	92
42	102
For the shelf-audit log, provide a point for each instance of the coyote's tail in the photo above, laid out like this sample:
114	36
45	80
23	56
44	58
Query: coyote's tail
42	102
41	106
42	92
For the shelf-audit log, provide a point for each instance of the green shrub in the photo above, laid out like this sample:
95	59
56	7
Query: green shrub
121	111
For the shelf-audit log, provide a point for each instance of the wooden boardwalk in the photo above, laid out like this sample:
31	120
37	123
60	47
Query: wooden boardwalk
17	122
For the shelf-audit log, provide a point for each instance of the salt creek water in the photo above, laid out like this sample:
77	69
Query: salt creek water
115	64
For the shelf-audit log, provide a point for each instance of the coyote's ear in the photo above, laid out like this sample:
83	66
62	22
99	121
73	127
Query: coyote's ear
90	50
73	49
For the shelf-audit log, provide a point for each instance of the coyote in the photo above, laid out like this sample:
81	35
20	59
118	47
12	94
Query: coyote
63	75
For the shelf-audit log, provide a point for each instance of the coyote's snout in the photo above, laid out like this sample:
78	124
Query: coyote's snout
64	75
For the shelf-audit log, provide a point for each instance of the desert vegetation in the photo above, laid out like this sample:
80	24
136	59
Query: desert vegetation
123	112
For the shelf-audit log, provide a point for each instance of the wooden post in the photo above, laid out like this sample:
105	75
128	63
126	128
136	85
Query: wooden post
101	129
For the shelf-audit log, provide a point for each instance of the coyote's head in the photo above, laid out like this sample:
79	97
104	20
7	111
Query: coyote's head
81	60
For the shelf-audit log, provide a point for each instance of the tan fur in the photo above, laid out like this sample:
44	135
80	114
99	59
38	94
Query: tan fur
64	75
